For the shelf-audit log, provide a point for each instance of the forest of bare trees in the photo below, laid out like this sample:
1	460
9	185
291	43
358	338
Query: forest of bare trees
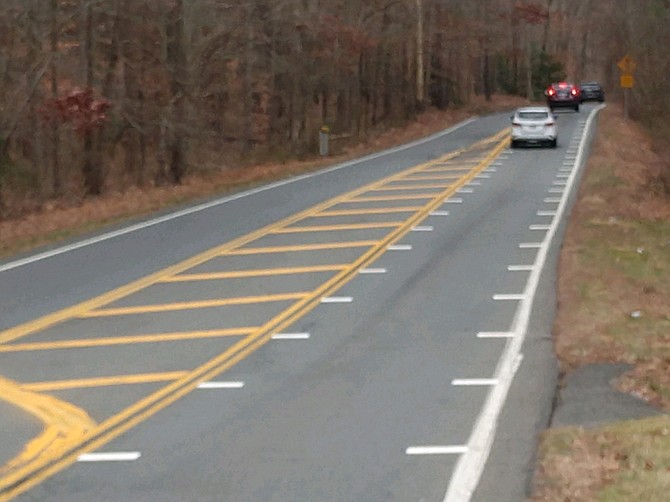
101	94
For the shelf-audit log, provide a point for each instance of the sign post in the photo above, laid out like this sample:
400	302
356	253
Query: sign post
627	66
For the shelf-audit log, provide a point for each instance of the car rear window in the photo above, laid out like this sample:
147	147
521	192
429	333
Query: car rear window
533	115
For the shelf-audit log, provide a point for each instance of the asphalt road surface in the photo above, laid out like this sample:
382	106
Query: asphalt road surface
375	331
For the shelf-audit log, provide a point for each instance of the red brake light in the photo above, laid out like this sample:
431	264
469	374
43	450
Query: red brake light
574	91
562	85
551	91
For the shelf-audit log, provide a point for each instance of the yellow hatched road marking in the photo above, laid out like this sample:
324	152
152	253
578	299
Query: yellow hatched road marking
84	383
235	274
377	210
302	247
170	307
24	478
65	427
127	340
436	177
332	228
395	197
437	186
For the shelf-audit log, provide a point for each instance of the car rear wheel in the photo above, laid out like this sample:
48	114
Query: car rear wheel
553	143
577	108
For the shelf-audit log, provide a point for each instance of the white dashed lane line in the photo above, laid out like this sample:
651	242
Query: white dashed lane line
495	334
365	271
436	450
474	382
509	297
439	213
291	336
220	385
400	247
337	299
520	268
119	456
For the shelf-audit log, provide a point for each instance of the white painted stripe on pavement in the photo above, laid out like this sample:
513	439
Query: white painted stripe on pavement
400	247
520	268
118	456
465	190
539	227
439	213
220	385
473	382
509	297
495	334
530	245
291	336
454	201
224	200
546	213
337	299
552	200
423	228
372	271
470	465
436	450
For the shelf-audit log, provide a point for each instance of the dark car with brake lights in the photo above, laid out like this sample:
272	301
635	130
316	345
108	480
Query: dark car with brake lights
592	91
563	95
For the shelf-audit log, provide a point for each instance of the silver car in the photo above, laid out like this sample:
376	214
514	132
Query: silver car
534	125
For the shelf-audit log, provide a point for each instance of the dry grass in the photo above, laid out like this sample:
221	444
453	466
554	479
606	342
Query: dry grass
60	219
614	285
619	463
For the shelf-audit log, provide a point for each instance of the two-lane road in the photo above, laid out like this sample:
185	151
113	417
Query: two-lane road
347	335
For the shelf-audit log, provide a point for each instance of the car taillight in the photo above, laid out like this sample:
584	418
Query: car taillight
574	91
551	92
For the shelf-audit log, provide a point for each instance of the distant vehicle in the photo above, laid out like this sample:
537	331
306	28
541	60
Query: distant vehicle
592	91
534	125
563	95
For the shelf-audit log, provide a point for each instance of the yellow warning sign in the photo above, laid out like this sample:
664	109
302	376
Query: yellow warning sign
627	81
627	65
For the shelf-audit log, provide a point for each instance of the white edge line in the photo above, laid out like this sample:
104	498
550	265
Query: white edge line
470	465
119	456
208	205
291	336
436	450
220	385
